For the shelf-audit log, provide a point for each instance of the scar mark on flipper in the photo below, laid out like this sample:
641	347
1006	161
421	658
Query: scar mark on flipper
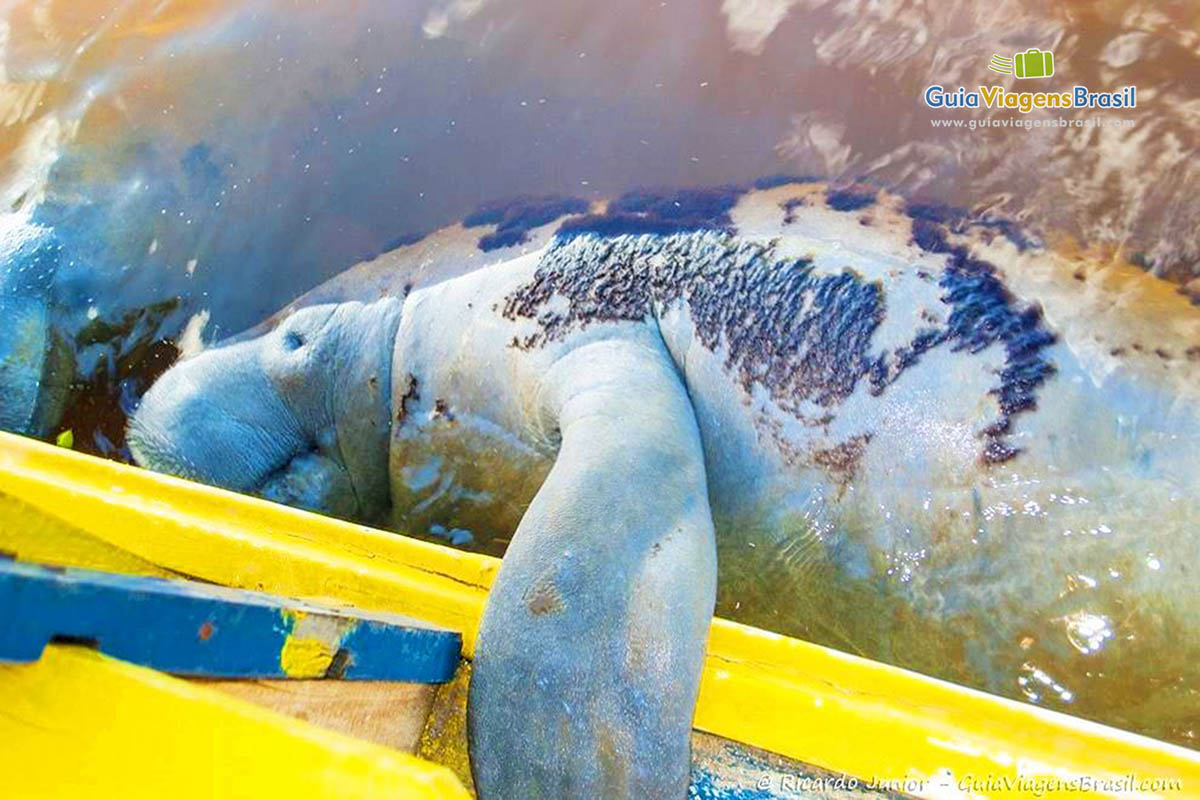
543	598
410	395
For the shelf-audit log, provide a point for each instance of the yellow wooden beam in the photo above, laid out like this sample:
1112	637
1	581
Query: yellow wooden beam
79	724
926	737
816	705
61	507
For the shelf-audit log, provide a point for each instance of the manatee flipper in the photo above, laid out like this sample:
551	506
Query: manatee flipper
590	650
314	482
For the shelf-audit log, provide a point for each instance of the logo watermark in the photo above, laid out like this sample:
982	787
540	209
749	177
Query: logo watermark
997	97
1003	124
1031	785
1033	63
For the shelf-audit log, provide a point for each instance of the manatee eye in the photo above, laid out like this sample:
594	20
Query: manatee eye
292	341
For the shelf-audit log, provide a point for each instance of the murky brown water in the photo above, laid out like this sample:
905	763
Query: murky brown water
222	157
283	141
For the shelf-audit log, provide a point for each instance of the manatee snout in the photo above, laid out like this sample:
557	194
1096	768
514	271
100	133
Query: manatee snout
298	415
215	418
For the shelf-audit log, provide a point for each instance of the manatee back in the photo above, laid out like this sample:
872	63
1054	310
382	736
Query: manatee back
494	234
930	439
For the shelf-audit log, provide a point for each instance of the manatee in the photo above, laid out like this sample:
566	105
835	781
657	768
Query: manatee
36	362
905	431
63	362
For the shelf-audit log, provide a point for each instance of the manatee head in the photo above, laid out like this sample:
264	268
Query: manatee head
298	414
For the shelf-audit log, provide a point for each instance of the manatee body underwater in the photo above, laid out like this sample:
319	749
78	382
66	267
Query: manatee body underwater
901	431
36	364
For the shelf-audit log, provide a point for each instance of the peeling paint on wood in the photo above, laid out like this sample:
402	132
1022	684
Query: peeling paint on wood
198	629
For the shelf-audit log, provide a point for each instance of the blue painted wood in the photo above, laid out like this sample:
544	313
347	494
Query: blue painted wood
199	629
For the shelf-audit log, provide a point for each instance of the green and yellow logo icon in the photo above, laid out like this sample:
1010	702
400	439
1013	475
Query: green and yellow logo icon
1033	63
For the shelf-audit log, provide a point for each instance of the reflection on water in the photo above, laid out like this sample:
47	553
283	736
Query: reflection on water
176	144
209	160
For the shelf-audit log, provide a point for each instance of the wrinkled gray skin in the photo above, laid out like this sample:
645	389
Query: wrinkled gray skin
593	638
617	440
303	416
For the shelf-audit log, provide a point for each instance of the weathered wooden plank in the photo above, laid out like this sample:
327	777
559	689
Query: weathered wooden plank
192	628
818	706
384	712
78	724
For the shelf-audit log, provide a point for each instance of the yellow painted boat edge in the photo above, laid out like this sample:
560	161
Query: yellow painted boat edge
819	706
80	724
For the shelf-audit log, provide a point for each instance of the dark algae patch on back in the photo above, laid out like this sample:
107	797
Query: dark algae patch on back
661	211
772	314
782	179
930	218
985	313
851	198
802	334
516	217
